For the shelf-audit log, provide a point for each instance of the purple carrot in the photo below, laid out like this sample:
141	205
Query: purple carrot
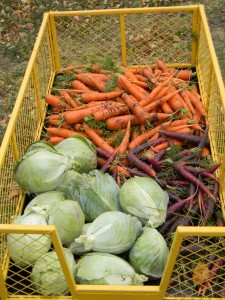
181	153
210	203
170	143
203	141
209	175
189	157
136	172
178	182
172	209
108	162
147	145
186	220
161	182
189	138
154	164
213	168
219	219
115	172
194	170
180	169
102	153
140	164
165	226
201	203
159	155
173	195
192	192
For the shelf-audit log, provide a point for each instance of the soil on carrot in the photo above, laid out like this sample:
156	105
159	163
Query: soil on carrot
20	22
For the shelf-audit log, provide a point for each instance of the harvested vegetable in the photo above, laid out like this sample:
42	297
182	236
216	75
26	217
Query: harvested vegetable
65	214
149	253
112	232
106	269
81	151
25	249
97	193
47	275
144	198
41	170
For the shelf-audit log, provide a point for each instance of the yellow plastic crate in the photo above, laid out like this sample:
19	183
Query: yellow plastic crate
178	35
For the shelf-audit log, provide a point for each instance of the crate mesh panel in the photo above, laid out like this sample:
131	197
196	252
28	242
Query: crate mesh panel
212	101
84	38
158	35
30	279
191	275
44	66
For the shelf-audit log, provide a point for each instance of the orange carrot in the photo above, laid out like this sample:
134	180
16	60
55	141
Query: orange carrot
141	78
197	103
184	121
147	135
159	147
148	73
130	75
130	88
162	66
78	127
166	108
110	112
187	100
178	127
63	132
77	84
66	96
205	152
58	123
97	140
157	93
125	142
119	122
142	84
139	112
157	103
98	84
183	74
53	117
56	139
85	80
140	88
78	115
142	137
55	101
96	96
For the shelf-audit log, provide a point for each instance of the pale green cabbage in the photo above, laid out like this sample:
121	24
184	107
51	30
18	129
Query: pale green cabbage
106	269
41	170
78	248
65	214
47	276
25	249
149	253
144	198
81	150
112	232
98	193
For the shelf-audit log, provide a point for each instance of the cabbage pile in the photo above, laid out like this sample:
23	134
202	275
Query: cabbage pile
108	233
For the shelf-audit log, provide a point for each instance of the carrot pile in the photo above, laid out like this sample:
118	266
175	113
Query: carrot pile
150	99
146	122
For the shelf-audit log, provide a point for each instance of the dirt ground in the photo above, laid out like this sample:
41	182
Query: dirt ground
20	22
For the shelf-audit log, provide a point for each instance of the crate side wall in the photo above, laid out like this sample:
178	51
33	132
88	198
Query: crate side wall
27	129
